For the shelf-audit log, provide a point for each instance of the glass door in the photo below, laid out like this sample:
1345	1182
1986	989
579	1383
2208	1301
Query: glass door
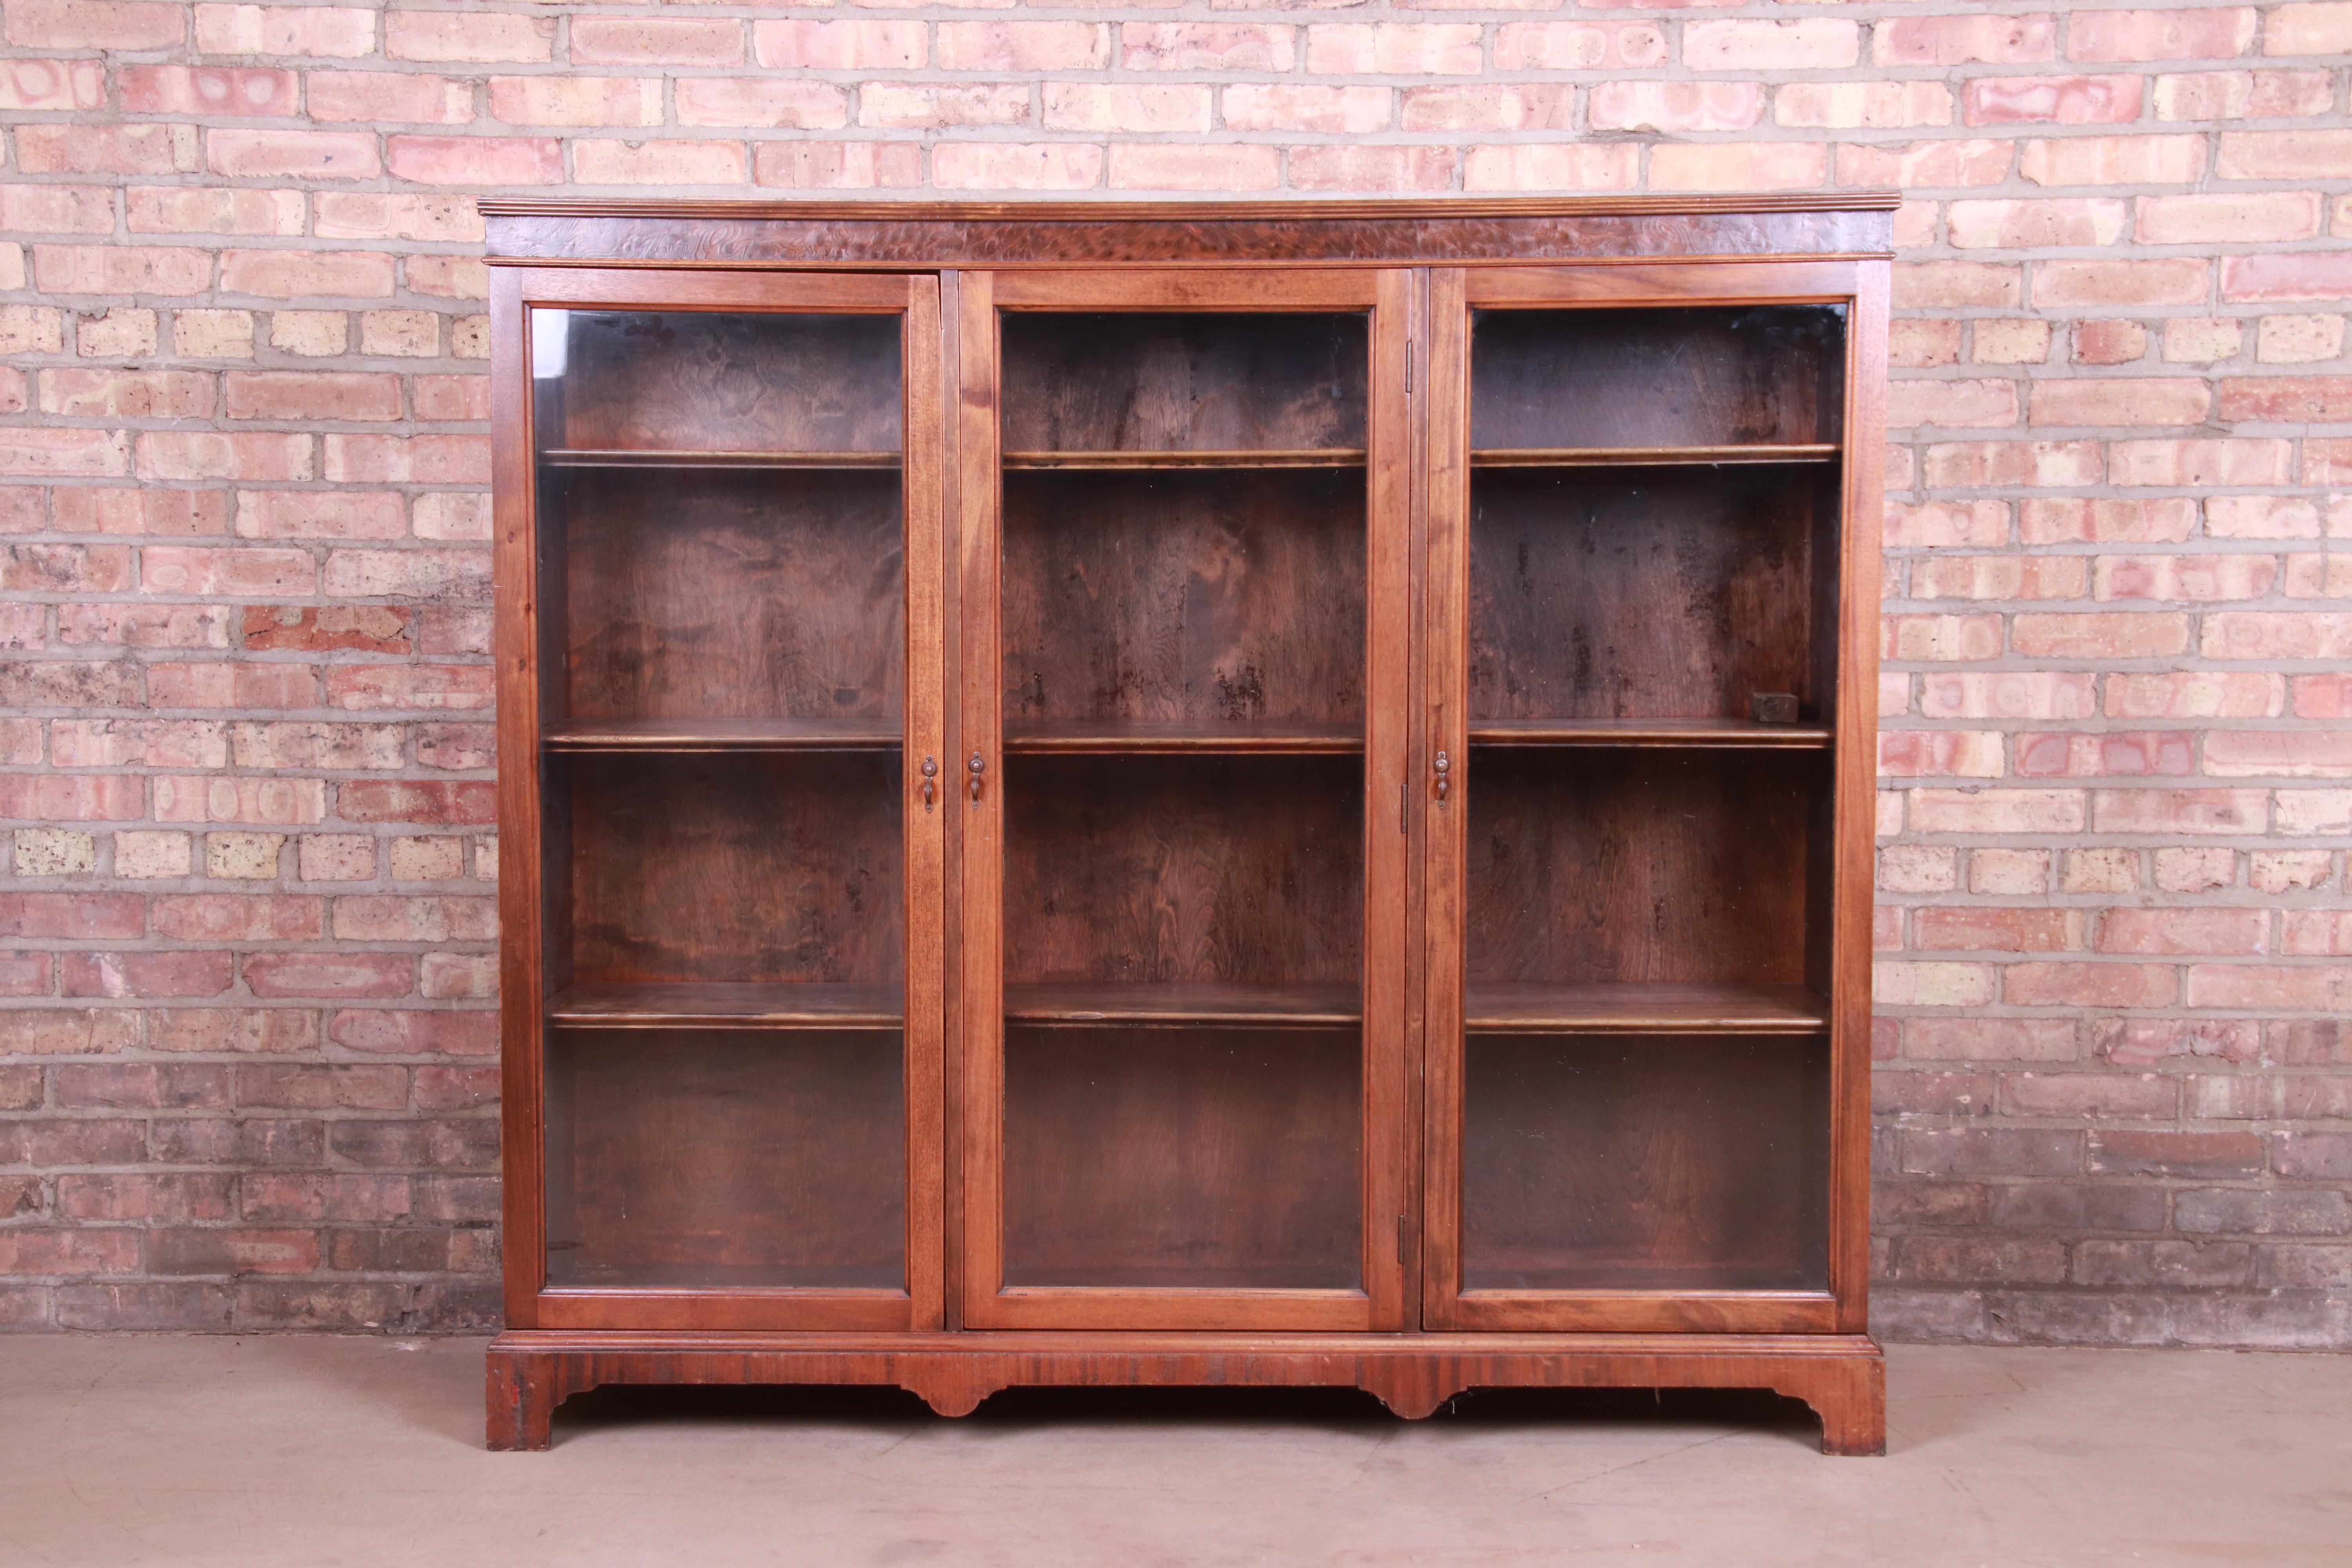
727	982
1181	784
1642	745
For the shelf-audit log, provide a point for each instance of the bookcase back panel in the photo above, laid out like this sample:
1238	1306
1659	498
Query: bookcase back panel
1191	382
1207	599
1644	1163
735	595
1704	376
710	381
714	1159
1648	593
1172	1158
1605	866
1203	869
750	868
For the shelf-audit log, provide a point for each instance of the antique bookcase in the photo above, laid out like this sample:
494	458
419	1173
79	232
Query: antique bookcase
1225	794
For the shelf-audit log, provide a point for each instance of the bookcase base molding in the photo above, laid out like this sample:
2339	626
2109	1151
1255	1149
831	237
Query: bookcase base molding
1841	1376
1225	794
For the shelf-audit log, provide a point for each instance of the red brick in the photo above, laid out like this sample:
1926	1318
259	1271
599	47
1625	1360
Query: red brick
1022	45
1744	165
308	395
74	916
2180	813
2104	36
1016	165
2303	155
52	84
320	31
119	394
1537	166
235	916
142	974
419	801
467	36
1925	165
1578	46
329	974
2228	219
838	165
575	100
646	40
402	97
2056	100
96	24
293	155
2192	932
803	105
228	90
1963	40
839	45
1997	930
474	160
2108	754
411	687
1673	106
1811	43
436	1033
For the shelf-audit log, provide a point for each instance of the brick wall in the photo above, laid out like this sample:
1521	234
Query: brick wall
245	941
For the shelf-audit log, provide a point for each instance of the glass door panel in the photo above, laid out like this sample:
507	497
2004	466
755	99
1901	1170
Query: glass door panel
1634	702
740	1025
1179	1075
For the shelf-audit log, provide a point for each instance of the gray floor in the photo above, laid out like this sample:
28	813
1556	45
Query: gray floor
313	1452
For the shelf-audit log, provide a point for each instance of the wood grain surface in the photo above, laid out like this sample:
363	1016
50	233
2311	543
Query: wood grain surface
1182	1159
1644	1163
1639	593
727	1160
719	594
761	868
1210	599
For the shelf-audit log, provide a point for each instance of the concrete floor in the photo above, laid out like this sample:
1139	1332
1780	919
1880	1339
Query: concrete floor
127	1450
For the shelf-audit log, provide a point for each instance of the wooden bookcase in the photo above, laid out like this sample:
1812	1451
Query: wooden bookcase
1231	794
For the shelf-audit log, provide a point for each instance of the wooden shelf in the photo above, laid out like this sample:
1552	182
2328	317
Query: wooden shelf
1629	1009
1261	457
722	735
630	458
712	1005
1646	457
1129	736
1082	1004
1720	733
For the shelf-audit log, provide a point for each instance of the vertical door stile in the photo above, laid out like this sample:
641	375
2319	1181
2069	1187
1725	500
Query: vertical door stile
1387	722
980	972
926	887
1446	419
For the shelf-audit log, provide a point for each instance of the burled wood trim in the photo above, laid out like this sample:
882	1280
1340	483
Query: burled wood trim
1214	211
1397	234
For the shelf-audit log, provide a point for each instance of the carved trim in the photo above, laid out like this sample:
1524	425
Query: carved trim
1183	212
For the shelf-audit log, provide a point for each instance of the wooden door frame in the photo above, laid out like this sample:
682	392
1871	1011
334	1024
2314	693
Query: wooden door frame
514	290
1384	294
1859	285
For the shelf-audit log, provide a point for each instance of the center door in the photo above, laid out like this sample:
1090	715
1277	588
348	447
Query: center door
1182	548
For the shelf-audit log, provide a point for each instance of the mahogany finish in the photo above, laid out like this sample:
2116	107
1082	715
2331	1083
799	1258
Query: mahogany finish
1120	794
